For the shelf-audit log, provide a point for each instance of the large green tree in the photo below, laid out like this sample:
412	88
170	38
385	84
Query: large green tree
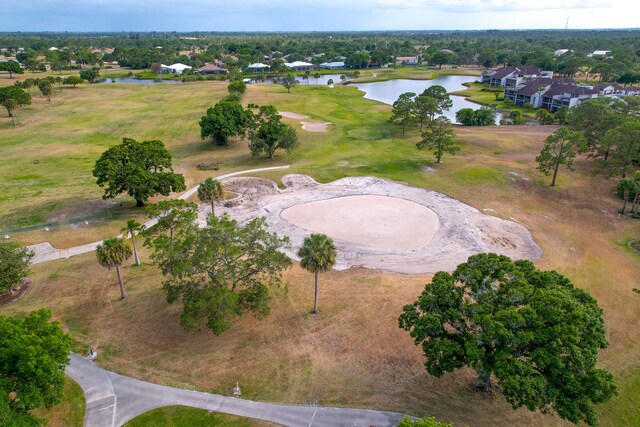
440	137
14	265
594	118
13	98
225	120
623	143
317	254
112	253
442	98
532	330
210	191
73	80
12	67
90	74
269	134
559	148
402	111
33	355
141	169
424	108
221	271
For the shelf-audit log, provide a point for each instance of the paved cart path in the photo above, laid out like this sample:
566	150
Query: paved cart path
45	252
113	399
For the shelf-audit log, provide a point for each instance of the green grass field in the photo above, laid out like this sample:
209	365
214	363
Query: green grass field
68	413
353	354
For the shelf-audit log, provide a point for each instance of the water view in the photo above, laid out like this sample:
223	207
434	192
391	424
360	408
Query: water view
135	81
389	91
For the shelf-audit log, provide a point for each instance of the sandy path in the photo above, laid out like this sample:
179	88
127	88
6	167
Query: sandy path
290	115
368	220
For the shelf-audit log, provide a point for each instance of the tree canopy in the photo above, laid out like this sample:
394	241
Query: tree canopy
33	355
483	116
533	330
90	74
14	265
402	110
269	134
141	169
439	137
560	148
221	271
288	82
317	254
12	67
13	98
225	120
210	191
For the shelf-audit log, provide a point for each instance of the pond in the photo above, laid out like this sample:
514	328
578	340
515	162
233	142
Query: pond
135	81
389	91
322	80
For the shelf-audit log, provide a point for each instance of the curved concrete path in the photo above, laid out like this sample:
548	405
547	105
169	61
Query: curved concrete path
45	252
113	399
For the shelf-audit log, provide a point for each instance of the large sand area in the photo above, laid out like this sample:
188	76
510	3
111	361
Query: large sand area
377	223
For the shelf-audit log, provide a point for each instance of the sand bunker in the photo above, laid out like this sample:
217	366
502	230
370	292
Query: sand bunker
315	126
377	223
368	221
290	115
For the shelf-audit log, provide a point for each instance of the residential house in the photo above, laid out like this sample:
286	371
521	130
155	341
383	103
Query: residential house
231	57
599	53
407	60
177	68
209	68
566	95
527	94
299	66
561	52
336	65
608	89
258	67
514	75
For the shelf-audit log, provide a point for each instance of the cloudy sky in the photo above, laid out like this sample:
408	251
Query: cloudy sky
314	15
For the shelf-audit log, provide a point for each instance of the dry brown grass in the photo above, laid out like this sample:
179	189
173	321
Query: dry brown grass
353	353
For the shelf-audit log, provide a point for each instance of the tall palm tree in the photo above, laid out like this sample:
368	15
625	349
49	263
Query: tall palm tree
316	76
113	253
131	229
317	253
210	191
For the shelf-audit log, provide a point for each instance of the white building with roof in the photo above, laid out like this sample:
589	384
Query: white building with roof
177	68
336	65
299	65
258	67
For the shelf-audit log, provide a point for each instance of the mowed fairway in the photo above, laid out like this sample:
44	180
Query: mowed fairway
353	353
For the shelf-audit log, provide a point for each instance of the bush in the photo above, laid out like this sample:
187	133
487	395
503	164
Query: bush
627	184
238	87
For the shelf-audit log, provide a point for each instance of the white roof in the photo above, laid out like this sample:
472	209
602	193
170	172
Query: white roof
561	52
298	64
333	64
601	52
177	66
53	48
258	65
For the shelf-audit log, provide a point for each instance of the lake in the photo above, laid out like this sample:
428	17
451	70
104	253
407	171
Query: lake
135	81
389	91
322	80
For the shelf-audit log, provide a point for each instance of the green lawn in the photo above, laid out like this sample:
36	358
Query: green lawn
180	416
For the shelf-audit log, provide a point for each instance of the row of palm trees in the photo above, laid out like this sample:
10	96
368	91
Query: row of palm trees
317	253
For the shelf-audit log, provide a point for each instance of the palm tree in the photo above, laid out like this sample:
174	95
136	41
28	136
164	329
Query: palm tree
131	229
343	78
316	76
306	76
210	191
317	253
113	253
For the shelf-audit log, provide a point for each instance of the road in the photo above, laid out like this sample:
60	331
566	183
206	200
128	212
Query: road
45	252
113	399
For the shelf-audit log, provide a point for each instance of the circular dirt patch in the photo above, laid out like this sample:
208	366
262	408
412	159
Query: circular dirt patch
375	221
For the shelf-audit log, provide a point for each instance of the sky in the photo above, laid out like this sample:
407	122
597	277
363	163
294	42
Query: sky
315	15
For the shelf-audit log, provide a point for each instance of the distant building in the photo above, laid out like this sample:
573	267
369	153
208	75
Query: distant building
561	52
209	68
513	76
600	53
299	66
258	67
231	57
174	68
407	60
337	65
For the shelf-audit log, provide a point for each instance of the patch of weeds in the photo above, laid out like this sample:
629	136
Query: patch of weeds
498	153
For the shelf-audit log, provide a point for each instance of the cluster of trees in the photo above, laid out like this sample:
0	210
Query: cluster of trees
264	129
426	109
532	331
606	129
483	116
13	99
